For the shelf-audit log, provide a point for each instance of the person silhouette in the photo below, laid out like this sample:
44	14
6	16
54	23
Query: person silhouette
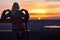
15	14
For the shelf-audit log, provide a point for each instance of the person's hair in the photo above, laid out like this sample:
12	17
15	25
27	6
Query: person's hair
15	7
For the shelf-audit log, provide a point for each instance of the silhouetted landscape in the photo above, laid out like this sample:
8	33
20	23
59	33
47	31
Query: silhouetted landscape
37	30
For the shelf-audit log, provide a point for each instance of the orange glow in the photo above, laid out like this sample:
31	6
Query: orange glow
54	26
39	18
39	11
47	9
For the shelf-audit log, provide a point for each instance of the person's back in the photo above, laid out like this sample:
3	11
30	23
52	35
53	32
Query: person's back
16	14
17	26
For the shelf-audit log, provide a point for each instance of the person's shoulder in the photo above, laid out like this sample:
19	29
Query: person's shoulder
23	10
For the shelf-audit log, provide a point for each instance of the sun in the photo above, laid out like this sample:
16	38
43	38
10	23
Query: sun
39	11
39	18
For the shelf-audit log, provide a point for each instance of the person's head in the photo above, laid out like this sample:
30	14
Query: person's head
15	6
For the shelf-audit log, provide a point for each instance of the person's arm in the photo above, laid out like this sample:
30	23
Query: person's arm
4	15
8	14
25	14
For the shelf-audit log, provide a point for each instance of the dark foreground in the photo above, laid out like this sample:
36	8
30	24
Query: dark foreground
33	35
37	30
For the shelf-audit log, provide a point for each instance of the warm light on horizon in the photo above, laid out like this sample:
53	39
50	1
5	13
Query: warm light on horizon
39	18
54	26
39	11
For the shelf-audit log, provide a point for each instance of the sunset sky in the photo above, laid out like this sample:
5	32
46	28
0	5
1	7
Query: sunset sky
44	9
